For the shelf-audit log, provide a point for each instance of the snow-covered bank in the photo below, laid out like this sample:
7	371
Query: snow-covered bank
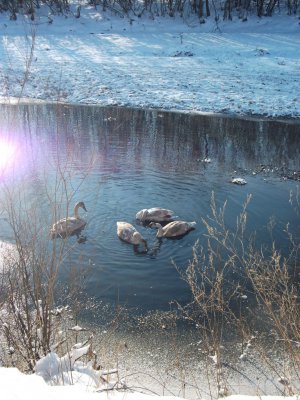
250	67
17	386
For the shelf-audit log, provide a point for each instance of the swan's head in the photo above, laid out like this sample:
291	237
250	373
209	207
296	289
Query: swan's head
155	225
81	205
137	239
141	215
159	227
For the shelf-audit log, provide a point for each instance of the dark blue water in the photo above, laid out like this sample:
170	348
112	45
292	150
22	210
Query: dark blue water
119	161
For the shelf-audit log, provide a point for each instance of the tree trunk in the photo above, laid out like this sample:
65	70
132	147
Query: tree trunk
207	8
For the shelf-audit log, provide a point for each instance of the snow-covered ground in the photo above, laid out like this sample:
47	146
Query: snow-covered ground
248	67
18	386
67	377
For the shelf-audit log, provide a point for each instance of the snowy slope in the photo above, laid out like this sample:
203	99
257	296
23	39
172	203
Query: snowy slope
235	67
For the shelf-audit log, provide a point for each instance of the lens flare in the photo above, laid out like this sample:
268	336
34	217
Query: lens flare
7	154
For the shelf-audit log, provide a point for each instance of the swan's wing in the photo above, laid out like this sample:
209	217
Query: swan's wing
177	228
159	214
172	229
126	235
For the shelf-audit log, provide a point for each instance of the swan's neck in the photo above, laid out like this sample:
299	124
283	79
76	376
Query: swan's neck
160	231
76	214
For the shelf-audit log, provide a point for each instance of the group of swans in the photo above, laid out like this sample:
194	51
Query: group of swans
153	216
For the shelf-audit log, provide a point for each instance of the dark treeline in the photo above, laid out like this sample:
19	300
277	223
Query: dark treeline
218	9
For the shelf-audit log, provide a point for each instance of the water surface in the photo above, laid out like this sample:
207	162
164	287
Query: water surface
119	161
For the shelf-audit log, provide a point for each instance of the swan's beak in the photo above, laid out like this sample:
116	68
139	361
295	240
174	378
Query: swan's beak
83	206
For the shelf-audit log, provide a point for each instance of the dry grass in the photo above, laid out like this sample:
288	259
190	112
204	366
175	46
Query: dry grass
246	292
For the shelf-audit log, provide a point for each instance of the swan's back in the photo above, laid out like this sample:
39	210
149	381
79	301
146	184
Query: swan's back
125	231
155	214
177	228
123	227
128	233
67	226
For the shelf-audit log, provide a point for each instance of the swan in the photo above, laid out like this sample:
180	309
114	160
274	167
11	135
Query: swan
173	229
155	214
70	225
129	234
